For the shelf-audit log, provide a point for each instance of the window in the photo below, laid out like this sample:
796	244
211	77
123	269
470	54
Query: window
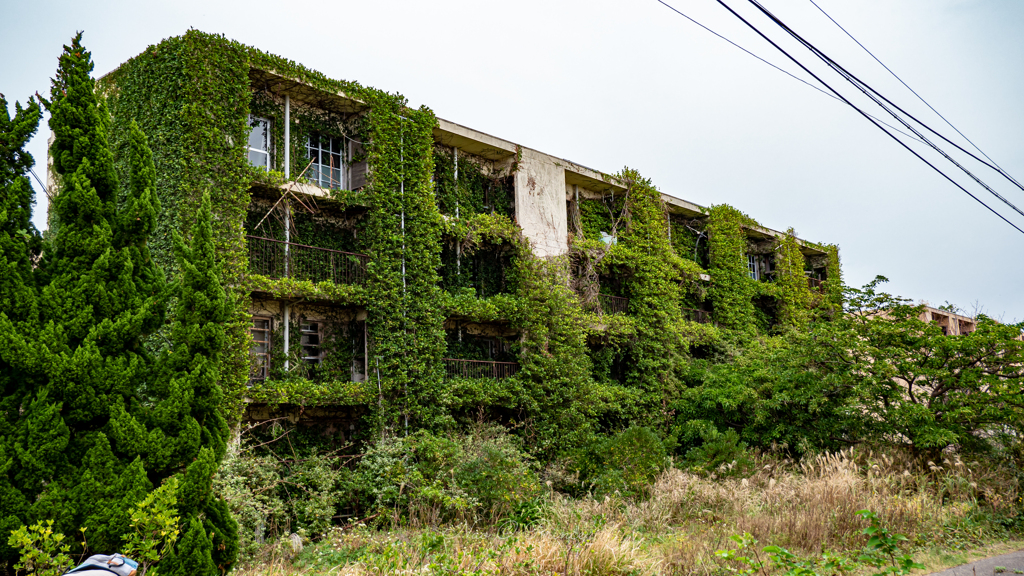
752	268
311	338
260	348
259	142
327	154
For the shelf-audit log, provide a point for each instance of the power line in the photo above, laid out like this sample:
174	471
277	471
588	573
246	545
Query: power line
866	115
797	78
872	93
787	73
835	66
919	97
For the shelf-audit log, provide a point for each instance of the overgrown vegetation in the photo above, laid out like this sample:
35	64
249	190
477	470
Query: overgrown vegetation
810	512
106	404
651	413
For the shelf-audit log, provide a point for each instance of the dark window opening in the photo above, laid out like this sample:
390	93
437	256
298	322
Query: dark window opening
311	335
610	363
487	269
465	346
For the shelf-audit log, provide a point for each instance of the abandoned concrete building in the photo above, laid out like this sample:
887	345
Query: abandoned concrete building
301	228
952	323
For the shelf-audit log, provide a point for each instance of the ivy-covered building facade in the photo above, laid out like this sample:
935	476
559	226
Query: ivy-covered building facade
395	270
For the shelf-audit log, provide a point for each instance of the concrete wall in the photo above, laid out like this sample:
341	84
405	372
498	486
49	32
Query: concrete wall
540	203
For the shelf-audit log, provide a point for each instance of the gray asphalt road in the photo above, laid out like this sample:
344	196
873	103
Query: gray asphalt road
987	566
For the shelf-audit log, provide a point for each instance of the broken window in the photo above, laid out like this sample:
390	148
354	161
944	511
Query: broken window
311	338
259	142
327	154
261	327
357	336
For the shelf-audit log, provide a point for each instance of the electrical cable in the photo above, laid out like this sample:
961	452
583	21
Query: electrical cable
833	64
919	97
862	113
797	78
872	93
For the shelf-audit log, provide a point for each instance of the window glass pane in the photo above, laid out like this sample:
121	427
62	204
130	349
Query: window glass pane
259	142
257	158
258	128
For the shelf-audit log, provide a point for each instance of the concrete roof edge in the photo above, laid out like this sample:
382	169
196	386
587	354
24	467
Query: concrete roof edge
297	82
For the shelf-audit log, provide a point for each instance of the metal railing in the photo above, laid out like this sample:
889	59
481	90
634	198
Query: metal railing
613	304
698	316
267	257
815	284
458	368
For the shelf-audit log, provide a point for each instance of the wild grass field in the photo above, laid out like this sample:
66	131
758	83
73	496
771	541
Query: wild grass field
946	510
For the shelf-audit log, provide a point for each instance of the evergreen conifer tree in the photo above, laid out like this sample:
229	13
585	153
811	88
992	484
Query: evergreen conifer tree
102	296
20	243
187	428
104	418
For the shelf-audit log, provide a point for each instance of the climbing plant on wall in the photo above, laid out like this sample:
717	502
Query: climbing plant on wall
472	264
731	288
656	280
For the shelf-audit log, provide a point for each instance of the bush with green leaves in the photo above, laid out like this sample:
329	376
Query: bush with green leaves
628	462
480	476
42	550
272	495
721	453
154	527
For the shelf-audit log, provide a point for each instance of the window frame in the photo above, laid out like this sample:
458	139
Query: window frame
267	139
304	333
316	171
269	332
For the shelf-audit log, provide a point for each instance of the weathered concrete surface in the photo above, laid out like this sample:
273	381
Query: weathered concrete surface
540	203
987	567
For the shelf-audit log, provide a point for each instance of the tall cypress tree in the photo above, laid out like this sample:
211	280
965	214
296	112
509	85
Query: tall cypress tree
20	243
102	296
98	418
182	424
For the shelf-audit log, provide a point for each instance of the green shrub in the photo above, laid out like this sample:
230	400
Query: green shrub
481	476
42	551
271	497
723	454
629	462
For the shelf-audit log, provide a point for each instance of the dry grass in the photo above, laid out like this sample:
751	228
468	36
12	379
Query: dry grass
808	507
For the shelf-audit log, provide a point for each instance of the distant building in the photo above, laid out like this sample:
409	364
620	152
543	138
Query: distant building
952	324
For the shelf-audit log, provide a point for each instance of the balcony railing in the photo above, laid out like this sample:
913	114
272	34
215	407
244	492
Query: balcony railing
698	316
267	257
613	304
457	368
815	284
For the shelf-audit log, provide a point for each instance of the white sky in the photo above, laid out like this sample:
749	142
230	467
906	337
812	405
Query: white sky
629	83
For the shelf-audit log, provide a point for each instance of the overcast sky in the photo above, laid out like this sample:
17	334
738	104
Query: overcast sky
621	83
